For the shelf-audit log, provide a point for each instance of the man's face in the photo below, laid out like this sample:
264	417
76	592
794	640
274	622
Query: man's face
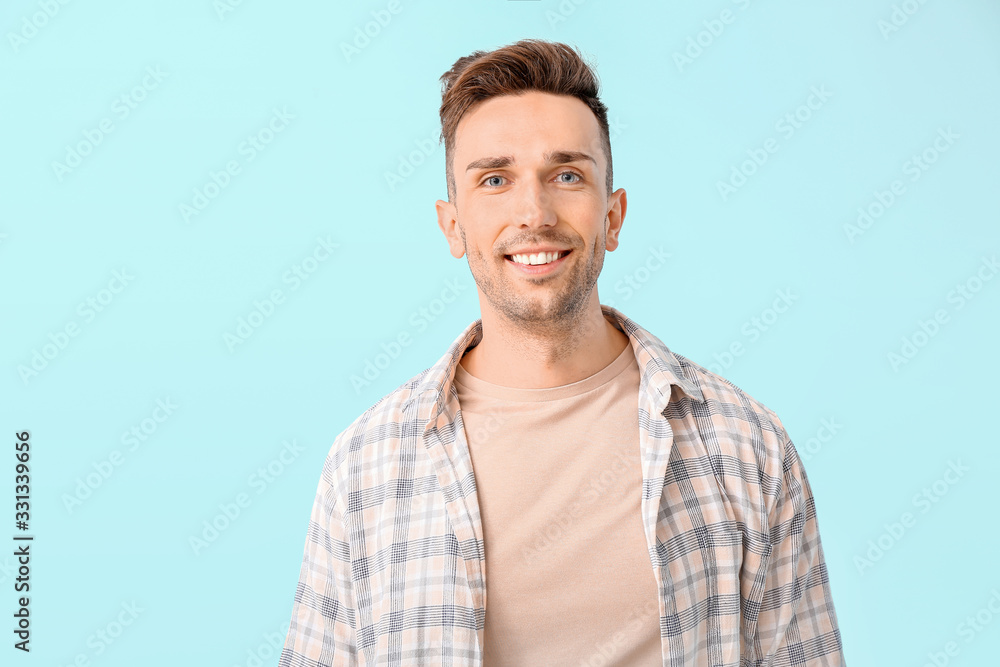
530	173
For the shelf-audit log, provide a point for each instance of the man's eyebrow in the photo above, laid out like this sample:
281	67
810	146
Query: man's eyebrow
554	157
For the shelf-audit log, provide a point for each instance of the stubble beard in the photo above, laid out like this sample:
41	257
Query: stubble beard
537	308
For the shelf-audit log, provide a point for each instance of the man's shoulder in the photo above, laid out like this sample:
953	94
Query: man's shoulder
722	410
736	419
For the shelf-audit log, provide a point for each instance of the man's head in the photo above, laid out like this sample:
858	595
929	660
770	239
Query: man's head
529	167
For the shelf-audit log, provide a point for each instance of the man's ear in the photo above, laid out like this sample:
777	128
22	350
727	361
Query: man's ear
448	222
616	217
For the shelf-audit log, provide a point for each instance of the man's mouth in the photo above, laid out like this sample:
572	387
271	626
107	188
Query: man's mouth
536	259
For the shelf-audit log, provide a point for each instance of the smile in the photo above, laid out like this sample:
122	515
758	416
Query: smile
543	262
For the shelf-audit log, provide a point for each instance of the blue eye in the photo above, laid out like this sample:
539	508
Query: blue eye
491	181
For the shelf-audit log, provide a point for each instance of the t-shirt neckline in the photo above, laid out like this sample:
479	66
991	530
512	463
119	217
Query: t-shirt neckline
468	381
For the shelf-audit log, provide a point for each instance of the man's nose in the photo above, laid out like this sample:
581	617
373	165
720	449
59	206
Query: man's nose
535	206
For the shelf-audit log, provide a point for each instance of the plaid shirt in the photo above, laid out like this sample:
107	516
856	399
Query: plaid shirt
393	571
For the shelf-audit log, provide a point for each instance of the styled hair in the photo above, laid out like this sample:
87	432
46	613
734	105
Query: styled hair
530	64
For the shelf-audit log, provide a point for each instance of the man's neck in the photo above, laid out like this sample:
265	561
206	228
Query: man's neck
561	354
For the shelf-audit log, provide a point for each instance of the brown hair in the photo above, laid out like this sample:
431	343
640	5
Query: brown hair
530	64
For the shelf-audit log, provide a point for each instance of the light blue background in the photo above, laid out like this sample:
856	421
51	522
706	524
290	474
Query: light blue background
682	130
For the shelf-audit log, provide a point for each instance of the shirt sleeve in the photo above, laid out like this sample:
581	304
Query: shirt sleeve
322	629
797	624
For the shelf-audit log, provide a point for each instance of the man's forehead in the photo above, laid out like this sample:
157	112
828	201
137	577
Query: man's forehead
498	149
508	122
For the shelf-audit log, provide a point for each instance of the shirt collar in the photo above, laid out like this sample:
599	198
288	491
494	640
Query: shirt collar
659	369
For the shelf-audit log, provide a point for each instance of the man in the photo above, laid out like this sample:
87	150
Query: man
559	488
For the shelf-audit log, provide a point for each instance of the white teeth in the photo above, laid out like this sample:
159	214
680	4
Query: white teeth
539	258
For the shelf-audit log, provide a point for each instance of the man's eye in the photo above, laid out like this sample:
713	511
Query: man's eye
496	181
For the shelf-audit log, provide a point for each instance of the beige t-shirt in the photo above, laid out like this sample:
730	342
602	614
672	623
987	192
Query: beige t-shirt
569	580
